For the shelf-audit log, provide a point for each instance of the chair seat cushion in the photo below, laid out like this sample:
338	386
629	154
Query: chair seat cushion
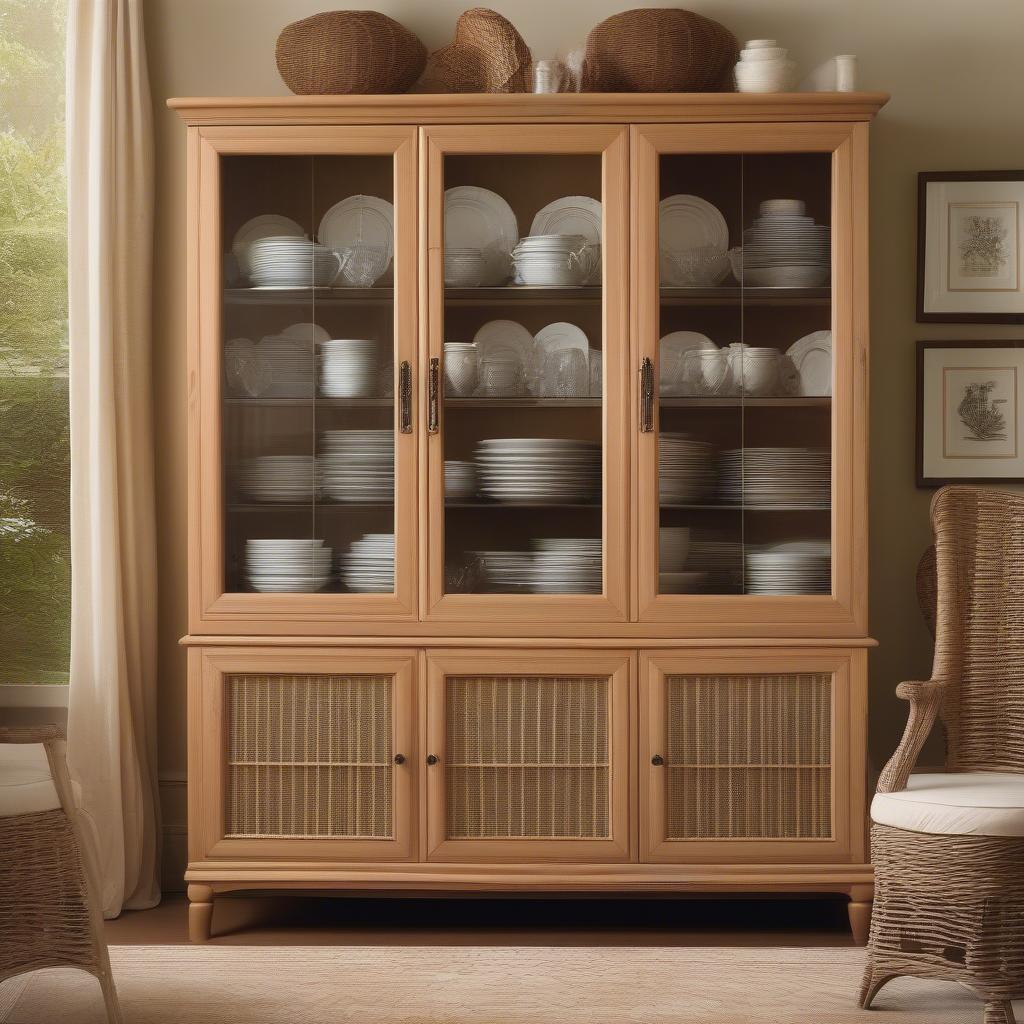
955	804
26	786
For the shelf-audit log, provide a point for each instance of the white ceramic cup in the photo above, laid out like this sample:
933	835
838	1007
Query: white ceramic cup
461	369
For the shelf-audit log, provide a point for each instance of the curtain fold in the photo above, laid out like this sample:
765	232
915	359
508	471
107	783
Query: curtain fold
112	704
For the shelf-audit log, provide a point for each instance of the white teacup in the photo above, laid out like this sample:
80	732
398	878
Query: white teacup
760	372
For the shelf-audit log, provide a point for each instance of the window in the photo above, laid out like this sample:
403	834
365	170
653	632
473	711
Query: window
35	567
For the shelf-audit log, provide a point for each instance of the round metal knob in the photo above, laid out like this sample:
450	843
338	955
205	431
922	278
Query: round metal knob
657	760
432	759
399	758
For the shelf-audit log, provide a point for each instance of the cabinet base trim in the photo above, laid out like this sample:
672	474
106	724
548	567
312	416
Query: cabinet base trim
838	878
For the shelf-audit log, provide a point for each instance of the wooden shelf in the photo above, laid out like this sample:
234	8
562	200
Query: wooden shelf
506	294
309	296
522	403
800	402
522	504
736	296
748	508
319	401
312	506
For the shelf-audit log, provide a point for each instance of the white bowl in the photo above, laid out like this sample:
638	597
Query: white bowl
763	53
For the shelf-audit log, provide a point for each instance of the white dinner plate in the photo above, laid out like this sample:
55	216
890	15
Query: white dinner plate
366	220
477	218
811	357
267	225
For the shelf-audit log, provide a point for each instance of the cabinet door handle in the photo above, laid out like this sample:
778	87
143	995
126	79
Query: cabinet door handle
399	758
433	395
646	395
405	398
432	759
657	760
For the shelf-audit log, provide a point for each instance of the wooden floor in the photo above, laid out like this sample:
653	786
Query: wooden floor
312	921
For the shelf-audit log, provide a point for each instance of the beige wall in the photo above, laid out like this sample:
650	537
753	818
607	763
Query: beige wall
956	77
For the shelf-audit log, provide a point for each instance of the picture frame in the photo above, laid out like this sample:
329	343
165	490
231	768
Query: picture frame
970	247
970	412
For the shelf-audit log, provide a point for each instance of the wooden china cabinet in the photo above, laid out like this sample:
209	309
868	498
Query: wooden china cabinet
620	642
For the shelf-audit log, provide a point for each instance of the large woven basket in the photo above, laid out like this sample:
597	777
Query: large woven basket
659	50
487	55
340	52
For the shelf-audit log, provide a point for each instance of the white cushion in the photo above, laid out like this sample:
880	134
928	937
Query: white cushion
26	786
955	804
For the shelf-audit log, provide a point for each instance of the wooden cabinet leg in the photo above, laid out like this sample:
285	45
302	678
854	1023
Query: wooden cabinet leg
200	912
860	913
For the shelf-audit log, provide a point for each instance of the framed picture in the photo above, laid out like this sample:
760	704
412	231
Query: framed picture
970	412
970	229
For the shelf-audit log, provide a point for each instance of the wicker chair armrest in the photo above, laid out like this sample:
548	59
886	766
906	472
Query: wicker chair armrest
30	733
925	698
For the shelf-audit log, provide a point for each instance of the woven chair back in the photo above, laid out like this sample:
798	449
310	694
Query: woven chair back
979	635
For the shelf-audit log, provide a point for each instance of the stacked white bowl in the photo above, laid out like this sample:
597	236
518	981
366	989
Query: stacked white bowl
358	465
461	369
278	478
348	368
764	66
785	248
554	261
286	565
686	470
459	479
285	261
464	267
368	567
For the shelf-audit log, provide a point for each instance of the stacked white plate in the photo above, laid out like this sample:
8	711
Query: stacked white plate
786	249
459	480
539	470
284	261
368	567
284	565
284	478
358	465
348	368
464	267
554	261
777	477
558	565
686	472
796	567
573	215
567	565
278	366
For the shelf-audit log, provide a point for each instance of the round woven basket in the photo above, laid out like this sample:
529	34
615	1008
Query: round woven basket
341	52
659	50
487	55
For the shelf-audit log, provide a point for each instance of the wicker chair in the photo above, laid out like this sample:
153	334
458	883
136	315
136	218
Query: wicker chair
50	914
948	849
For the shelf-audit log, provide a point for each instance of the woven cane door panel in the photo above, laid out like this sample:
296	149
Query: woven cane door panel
748	757
528	758
309	756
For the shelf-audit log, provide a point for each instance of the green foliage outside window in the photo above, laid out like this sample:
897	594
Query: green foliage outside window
35	567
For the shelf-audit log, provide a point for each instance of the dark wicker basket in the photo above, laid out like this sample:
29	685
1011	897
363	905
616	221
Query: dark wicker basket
487	55
659	50
341	52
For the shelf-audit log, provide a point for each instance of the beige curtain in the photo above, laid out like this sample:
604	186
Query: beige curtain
112	709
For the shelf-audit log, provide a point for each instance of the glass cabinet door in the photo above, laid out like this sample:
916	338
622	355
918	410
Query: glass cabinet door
528	755
744	283
313	330
527	455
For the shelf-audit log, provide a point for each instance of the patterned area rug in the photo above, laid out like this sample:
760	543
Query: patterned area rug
481	985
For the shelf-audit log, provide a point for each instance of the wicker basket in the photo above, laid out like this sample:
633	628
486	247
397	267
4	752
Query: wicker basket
659	50
487	55
340	52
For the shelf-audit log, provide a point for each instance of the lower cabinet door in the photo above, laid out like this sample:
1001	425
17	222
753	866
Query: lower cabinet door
302	753
753	756
528	755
